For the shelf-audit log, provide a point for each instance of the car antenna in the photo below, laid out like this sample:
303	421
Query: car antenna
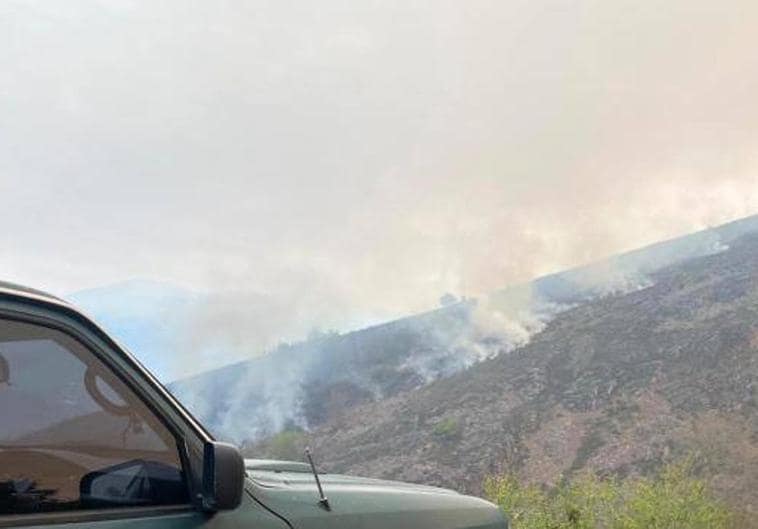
323	500
5	371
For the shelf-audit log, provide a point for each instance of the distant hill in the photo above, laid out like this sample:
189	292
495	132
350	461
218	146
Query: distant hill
148	317
627	271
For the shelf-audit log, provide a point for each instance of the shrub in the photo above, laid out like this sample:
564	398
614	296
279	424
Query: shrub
288	445
674	499
447	428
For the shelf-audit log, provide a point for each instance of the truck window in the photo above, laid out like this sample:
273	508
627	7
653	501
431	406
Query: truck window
72	435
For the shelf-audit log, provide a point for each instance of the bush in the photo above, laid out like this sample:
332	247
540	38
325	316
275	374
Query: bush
674	499
448	428
287	445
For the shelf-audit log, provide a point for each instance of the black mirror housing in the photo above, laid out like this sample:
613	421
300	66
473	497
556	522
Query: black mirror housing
223	476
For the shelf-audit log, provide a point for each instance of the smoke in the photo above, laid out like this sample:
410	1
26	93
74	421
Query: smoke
280	403
254	400
335	165
275	392
250	401
469	147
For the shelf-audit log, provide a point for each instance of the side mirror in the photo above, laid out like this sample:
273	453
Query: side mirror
223	476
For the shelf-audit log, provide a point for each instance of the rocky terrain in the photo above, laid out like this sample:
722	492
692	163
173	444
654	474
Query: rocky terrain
306	385
617	384
616	367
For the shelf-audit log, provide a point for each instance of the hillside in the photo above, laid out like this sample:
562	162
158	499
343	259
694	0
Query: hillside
308	384
619	383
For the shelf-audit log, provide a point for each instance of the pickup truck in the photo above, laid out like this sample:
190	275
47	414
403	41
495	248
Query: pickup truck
89	438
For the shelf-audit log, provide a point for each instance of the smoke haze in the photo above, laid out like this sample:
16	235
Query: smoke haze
332	165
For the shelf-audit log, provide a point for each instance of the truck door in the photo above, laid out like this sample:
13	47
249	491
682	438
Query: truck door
78	447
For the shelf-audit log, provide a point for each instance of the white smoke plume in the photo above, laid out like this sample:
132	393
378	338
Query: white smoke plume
333	164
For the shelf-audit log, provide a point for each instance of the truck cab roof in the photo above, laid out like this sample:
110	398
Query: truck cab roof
24	291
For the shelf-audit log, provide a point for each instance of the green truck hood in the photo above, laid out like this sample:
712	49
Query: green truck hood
288	488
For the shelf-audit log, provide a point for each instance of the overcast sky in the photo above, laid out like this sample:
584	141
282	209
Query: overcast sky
357	159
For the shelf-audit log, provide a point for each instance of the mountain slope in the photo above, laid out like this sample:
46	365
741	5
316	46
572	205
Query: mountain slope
620	383
307	384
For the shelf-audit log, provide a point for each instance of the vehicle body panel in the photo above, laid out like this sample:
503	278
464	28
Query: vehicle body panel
249	514
279	494
365	503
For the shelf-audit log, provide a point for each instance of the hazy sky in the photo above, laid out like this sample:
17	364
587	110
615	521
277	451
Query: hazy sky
357	159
